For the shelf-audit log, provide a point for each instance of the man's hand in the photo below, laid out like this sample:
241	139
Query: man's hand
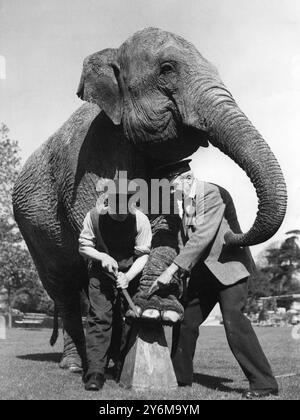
164	279
122	281
109	264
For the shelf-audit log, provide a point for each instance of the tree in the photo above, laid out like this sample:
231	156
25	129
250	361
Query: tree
17	271
283	264
9	169
281	272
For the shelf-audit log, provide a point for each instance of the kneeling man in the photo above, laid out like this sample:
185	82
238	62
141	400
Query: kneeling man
217	273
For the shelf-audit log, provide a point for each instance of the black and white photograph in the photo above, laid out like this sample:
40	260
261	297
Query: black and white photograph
149	202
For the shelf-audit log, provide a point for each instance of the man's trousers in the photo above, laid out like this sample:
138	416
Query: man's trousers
107	331
202	293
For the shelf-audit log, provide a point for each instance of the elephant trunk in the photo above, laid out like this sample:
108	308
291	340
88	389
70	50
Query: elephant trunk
232	132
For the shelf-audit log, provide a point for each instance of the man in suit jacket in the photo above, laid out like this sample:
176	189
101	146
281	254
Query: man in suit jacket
217	273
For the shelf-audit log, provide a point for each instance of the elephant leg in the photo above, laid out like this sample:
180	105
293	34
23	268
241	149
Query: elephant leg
66	295
164	250
74	356
67	302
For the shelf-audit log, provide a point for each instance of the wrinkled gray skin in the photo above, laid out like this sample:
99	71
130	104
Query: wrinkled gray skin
160	101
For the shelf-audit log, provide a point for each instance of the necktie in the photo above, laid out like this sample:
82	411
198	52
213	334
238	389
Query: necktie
188	213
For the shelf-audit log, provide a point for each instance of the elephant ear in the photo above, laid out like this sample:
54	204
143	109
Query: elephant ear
98	83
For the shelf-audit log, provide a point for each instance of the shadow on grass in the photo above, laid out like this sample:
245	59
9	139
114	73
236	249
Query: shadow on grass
41	357
215	383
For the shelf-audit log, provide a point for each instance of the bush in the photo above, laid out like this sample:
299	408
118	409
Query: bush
23	301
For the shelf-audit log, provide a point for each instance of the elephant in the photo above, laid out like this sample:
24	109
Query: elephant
152	101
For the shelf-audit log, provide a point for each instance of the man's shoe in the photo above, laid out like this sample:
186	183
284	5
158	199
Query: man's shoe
253	395
94	382
114	372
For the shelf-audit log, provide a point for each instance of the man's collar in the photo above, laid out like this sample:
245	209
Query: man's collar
192	193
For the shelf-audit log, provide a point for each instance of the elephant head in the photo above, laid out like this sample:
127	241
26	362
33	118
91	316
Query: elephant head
169	100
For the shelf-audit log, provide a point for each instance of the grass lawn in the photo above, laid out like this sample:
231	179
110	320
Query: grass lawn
29	369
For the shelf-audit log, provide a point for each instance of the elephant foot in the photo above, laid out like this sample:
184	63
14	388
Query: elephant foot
165	317
73	364
151	314
167	309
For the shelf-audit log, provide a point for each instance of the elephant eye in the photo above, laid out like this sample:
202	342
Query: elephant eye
116	70
166	68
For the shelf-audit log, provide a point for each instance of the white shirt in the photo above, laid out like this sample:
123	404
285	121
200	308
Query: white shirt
143	239
192	195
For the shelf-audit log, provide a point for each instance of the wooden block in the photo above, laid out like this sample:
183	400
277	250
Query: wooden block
148	364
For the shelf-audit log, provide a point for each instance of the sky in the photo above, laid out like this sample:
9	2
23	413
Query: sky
254	44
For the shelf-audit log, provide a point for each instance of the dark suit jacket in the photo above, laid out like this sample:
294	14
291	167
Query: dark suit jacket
202	236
